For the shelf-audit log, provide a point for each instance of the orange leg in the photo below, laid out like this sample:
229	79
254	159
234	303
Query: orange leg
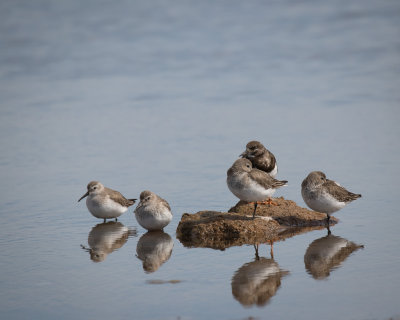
271	243
269	202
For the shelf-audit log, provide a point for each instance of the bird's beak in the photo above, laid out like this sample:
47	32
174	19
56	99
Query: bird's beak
85	195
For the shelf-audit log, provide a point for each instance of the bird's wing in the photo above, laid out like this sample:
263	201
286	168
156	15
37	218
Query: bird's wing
267	162
165	203
339	192
265	180
119	198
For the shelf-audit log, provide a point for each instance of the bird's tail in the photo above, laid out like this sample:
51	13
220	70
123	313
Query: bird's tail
354	196
279	183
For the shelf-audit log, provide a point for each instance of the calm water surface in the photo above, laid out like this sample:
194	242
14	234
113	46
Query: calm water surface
150	95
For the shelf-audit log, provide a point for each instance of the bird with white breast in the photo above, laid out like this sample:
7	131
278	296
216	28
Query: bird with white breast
153	212
105	203
251	184
324	195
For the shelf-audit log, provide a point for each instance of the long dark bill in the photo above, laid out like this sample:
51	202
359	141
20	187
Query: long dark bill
84	196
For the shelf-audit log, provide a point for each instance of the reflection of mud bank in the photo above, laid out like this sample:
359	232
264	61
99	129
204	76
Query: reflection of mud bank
220	230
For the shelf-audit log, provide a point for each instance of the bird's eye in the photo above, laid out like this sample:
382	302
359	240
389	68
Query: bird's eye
248	166
94	188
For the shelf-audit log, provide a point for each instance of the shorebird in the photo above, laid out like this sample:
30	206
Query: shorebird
261	158
105	203
152	212
324	195
251	184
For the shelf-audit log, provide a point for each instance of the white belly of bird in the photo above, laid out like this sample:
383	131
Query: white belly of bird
153	219
250	192
324	203
274	171
106	209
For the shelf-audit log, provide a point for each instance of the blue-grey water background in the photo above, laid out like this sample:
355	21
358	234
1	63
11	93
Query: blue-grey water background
164	96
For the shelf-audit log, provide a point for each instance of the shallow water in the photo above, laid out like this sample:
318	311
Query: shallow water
165	97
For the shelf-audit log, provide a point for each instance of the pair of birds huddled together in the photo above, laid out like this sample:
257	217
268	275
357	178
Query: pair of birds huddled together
252	178
152	212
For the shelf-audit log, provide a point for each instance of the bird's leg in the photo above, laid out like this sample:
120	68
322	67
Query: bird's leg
271	243
255	209
328	219
116	219
256	249
104	220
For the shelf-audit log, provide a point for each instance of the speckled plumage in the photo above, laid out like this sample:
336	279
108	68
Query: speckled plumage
324	195
105	203
261	158
153	212
251	184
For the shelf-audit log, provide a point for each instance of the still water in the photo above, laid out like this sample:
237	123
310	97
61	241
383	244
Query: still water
164	96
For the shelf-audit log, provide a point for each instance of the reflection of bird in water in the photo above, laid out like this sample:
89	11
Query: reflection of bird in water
257	282
271	249
154	248
104	238
326	254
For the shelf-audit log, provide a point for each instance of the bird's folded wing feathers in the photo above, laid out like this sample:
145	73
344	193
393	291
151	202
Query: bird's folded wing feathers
119	198
339	192
265	180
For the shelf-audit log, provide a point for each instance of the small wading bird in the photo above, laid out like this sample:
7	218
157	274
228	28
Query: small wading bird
324	195
105	203
152	212
261	158
250	184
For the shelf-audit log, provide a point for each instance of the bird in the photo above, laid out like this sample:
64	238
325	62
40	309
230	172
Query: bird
324	195
251	184
261	158
105	203
153	212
